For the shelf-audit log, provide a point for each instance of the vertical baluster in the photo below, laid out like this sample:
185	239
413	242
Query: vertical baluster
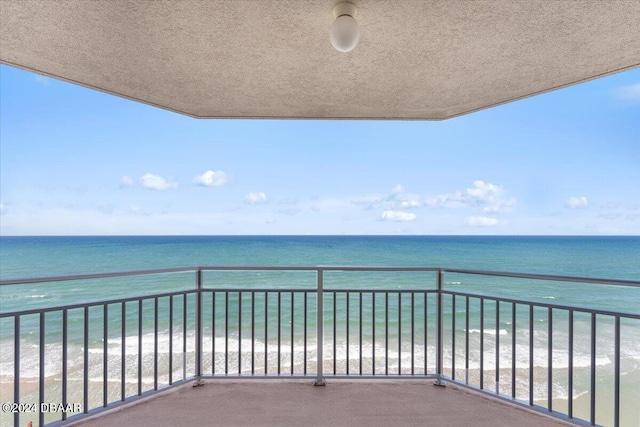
42	364
213	333
171	339
292	322
65	355
123	356
320	328
531	343
549	359
279	328
334	331
347	303
184	336
386	333
466	341
239	333
453	337
253	333
497	346
16	367
199	327
399	333
306	295
426	334
155	343
85	397
140	346
413	313
360	332
266	330
593	370
481	343
570	373
440	335
616	395
513	350
373	332
105	355
226	333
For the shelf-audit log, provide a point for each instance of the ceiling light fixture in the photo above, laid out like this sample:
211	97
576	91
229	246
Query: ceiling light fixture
345	32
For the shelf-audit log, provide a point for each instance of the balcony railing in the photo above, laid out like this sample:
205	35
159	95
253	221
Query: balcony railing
69	361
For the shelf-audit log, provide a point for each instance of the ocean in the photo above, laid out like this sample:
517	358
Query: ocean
589	256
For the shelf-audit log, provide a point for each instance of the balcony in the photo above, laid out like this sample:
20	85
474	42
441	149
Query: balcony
348	402
257	337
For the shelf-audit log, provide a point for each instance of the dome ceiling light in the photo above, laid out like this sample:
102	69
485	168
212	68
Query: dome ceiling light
345	32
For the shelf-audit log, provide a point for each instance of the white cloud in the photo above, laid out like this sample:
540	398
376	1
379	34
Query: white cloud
211	178
156	182
485	198
481	221
126	181
630	93
408	204
400	199
396	198
398	216
255	198
576	202
445	200
397	189
482	192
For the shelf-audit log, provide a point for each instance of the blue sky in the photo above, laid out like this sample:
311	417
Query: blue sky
75	161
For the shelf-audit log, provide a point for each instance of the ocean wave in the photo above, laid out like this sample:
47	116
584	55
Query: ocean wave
233	354
488	331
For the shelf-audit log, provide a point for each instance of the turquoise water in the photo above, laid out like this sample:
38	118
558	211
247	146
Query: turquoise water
602	257
610	257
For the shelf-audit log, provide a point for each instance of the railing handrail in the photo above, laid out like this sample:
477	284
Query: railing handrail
95	303
557	278
545	304
313	291
87	276
534	276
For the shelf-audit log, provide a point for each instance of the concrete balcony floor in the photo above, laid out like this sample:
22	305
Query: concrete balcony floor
282	402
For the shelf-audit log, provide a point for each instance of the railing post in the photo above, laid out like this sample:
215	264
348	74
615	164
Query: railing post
440	350
198	380
319	381
16	367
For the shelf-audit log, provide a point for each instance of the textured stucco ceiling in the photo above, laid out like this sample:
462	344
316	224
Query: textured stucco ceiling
272	58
